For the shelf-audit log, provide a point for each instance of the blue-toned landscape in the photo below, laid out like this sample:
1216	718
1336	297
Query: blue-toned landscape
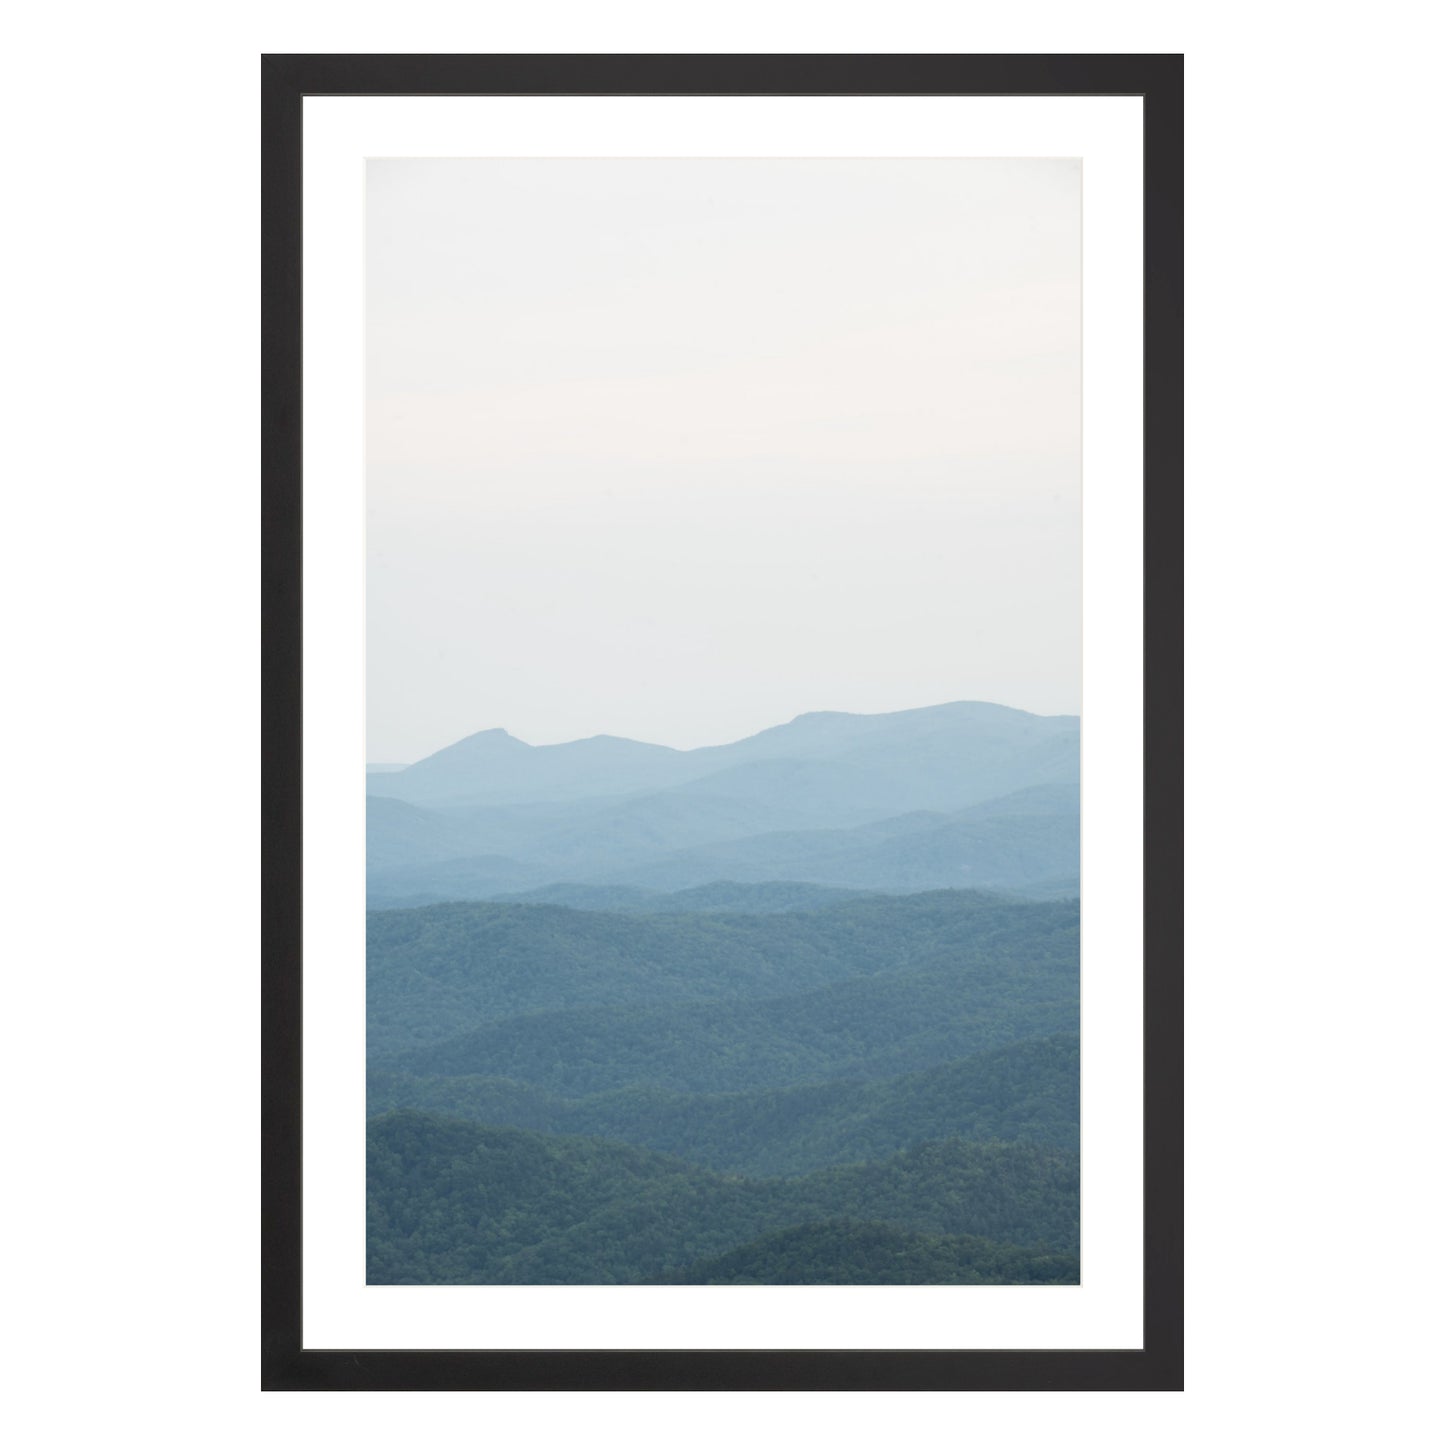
722	922
801	1009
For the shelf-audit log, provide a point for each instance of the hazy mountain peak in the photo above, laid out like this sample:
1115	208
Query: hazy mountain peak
489	744
902	716
610	742
487	735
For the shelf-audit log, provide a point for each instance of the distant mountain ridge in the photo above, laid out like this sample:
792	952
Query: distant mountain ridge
494	767
963	794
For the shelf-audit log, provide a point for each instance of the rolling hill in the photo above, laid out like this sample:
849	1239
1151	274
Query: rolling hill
451	1202
1028	1091
463	979
843	1252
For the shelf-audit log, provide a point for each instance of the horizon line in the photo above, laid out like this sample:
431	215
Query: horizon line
704	747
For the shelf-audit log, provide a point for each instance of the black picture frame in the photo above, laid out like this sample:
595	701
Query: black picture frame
1159	1364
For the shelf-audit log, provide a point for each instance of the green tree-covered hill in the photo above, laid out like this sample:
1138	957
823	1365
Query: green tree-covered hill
845	1252
433	974
1027	1091
862	1028
452	1202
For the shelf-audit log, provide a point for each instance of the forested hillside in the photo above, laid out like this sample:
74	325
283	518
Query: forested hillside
458	1203
843	1252
1027	1091
434	973
682	1091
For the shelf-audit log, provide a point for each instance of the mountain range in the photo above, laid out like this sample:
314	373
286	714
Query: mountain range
964	794
801	1009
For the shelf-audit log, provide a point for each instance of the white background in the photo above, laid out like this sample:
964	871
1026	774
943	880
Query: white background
130	590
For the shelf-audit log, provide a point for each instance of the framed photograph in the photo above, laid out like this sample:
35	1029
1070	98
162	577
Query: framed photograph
727	511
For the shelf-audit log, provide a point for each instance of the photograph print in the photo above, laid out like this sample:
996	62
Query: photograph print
723	617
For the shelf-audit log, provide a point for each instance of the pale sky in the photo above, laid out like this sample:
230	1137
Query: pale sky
679	449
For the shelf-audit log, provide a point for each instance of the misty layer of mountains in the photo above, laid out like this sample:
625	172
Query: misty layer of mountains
965	795
798	1010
